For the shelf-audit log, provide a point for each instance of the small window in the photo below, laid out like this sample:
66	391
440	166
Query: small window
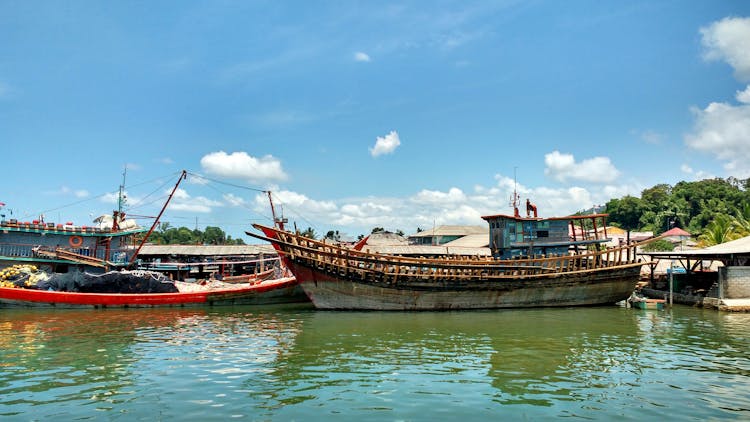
542	233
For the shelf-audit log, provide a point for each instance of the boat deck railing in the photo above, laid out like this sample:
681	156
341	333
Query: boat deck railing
364	265
20	250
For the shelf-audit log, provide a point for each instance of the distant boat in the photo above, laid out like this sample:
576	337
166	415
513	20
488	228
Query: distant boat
536	262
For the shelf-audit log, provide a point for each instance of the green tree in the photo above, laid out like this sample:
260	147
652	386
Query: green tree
309	233
661	245
741	220
720	230
333	235
626	212
214	236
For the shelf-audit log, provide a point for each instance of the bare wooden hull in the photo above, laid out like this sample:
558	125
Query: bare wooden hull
594	288
339	278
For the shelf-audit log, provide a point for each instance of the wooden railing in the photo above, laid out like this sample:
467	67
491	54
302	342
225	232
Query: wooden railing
342	261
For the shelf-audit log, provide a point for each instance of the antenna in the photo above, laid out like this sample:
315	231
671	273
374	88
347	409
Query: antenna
121	194
515	201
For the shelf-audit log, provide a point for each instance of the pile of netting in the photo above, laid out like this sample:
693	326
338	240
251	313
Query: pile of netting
21	276
76	281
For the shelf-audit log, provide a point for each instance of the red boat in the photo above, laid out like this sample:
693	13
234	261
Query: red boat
282	290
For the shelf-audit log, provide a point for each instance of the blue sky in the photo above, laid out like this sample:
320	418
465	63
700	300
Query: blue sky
363	114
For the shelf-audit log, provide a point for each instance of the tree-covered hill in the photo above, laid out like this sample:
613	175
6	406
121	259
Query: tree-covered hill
717	209
166	235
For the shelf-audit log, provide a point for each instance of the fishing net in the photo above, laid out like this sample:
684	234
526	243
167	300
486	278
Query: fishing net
110	282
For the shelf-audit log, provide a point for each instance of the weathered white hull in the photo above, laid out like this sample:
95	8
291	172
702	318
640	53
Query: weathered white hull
594	288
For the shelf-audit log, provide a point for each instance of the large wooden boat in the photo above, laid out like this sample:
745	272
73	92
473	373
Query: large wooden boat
536	262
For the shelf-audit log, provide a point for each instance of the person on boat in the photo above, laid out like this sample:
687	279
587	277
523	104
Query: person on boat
530	208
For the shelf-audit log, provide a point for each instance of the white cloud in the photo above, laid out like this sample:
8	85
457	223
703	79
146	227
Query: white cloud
727	40
196	179
386	144
66	191
182	201
240	165
453	196
234	200
743	96
426	208
649	136
563	167
723	130
361	57
696	175
292	202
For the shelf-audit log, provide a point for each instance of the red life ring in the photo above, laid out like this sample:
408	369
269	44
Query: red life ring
75	241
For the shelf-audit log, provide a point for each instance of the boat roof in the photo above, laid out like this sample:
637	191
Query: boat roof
427	250
455	230
470	241
207	250
569	217
70	231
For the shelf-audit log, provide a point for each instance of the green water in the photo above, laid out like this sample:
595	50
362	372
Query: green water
295	363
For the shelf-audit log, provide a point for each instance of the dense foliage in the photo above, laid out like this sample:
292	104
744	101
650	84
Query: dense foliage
166	235
716	209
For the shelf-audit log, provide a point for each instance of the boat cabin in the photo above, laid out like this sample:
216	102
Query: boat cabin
516	236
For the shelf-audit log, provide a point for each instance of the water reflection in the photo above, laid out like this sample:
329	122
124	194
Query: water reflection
577	362
129	361
286	363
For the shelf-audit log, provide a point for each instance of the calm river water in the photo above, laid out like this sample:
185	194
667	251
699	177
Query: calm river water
295	363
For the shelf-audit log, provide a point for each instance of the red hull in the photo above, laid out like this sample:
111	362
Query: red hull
270	291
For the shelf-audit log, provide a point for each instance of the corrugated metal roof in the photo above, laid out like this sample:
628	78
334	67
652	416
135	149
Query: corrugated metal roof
453	231
207	250
386	238
735	247
471	241
426	250
739	246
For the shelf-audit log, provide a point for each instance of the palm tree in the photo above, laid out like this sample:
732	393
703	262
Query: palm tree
721	229
742	220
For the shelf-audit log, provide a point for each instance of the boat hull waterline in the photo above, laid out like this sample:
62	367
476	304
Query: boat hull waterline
332	293
341	279
283	290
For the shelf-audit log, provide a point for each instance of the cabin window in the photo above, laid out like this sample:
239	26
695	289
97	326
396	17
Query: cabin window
542	233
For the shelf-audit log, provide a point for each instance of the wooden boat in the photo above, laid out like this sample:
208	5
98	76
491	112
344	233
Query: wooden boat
283	290
50	247
535	262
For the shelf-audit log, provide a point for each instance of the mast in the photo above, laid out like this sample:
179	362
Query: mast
183	176
120	202
278	222
515	200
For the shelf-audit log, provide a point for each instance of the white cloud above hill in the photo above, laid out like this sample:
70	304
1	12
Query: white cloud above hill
241	165
727	40
722	129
